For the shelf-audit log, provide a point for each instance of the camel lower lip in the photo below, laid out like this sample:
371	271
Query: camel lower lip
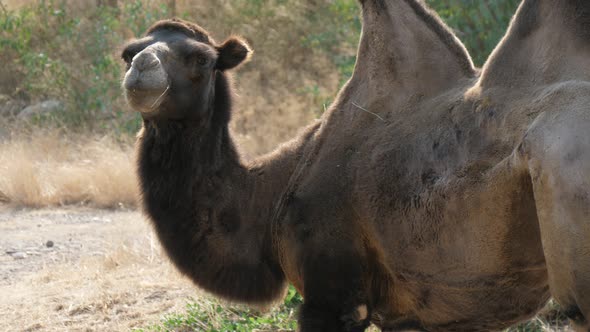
146	92
145	101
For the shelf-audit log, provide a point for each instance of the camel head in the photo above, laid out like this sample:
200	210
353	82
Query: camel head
171	71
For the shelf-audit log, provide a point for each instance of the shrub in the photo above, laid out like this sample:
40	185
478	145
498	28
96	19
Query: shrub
56	53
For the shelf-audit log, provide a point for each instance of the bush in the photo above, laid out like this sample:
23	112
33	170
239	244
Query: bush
479	24
73	57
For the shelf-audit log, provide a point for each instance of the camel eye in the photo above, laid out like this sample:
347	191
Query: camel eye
201	60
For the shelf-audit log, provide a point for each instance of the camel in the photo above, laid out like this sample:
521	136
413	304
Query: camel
430	196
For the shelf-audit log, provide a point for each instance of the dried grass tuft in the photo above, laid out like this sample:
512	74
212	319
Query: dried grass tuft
49	169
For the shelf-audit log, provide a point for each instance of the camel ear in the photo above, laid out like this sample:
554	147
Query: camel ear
232	52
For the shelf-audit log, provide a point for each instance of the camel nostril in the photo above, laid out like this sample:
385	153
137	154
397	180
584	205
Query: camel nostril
145	61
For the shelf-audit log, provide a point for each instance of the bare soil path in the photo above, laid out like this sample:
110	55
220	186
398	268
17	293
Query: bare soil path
80	269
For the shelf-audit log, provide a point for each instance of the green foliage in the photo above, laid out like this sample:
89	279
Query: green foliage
210	316
479	24
335	30
73	57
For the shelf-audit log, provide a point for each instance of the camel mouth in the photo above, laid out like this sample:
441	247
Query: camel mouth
146	100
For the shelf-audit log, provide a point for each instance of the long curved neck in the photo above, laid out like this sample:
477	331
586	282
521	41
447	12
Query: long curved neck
211	212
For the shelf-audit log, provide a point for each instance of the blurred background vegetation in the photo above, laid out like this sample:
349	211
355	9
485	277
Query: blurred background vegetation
62	57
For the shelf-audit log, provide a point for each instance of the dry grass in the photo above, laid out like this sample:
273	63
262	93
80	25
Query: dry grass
116	280
50	169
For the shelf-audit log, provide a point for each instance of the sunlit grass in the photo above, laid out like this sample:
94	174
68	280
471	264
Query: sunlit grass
45	168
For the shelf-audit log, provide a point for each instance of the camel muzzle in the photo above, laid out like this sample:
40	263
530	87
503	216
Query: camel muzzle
146	82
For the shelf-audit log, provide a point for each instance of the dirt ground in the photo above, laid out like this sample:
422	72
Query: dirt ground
80	269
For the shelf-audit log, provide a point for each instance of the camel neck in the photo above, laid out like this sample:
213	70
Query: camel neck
211	212
193	187
185	152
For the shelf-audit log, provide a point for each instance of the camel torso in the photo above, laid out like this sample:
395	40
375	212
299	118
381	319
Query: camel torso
446	217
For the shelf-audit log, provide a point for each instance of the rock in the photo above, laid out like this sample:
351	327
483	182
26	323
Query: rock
49	244
19	255
44	108
10	107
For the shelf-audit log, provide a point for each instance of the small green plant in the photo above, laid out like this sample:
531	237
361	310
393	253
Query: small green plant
551	318
211	316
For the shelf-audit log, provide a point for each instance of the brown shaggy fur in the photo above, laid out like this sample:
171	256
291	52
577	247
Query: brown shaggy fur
428	197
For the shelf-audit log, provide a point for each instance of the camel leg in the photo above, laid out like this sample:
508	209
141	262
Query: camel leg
557	153
335	300
331	259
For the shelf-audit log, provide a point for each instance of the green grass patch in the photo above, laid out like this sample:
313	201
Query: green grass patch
210	315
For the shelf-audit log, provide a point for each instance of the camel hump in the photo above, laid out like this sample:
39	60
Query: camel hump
406	48
548	41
